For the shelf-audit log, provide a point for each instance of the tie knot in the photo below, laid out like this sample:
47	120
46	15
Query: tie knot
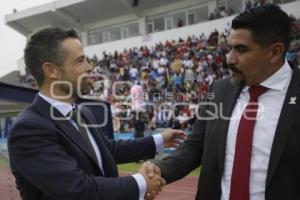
255	91
71	113
75	115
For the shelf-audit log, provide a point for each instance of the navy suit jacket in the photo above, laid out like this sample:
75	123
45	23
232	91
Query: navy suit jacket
51	161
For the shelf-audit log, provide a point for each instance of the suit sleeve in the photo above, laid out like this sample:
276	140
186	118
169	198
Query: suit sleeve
124	151
185	158
188	156
36	153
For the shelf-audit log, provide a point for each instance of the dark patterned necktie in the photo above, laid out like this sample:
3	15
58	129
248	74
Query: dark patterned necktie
78	119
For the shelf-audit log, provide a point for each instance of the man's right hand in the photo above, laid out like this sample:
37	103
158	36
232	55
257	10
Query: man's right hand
151	173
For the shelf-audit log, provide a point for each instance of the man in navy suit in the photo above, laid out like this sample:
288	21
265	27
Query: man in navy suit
247	139
56	155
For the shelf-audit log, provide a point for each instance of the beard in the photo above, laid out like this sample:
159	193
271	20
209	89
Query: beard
85	85
76	88
67	89
238	77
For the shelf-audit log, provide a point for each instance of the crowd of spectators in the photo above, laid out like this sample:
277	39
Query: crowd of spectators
171	72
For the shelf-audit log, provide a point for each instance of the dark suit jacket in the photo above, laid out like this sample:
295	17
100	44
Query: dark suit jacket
206	147
51	161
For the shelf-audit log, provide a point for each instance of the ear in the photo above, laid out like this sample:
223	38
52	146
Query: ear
277	50
51	70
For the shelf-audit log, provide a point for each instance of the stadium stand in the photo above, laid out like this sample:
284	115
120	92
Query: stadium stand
169	71
174	71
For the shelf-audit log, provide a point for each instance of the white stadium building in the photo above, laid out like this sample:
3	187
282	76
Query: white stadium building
119	24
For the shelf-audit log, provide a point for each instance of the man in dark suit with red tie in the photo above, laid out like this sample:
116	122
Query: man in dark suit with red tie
56	148
247	137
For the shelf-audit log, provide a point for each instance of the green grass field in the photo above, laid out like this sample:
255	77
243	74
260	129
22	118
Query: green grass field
3	161
8	114
134	167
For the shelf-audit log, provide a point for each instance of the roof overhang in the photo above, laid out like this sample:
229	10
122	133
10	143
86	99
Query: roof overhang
79	13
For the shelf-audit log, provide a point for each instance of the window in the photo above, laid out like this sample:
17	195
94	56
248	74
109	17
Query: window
133	30
95	37
282	1
112	33
179	19
191	18
200	14
169	23
91	40
159	24
125	32
150	27
115	34
106	36
79	36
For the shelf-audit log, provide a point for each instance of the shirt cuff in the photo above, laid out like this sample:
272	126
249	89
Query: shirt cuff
140	180
159	143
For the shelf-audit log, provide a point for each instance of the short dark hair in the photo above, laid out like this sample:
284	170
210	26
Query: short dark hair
268	24
44	46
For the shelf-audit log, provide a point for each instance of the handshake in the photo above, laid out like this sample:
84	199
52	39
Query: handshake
151	173
155	182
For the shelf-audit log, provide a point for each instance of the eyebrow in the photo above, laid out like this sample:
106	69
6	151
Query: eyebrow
238	46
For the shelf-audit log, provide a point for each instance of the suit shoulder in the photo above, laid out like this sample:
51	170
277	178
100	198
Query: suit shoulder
28	114
30	117
221	84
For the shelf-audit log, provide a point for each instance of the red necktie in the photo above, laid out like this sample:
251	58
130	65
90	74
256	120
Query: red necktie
240	177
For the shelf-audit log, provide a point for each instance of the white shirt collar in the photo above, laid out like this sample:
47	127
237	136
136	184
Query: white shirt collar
279	80
62	107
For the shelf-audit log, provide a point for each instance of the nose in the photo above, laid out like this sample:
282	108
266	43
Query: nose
89	67
231	58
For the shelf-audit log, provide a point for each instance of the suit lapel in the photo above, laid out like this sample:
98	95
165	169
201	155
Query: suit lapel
284	125
108	162
228	100
63	124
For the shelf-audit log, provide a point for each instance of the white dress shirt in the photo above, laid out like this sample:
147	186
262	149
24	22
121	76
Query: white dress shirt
65	108
269	109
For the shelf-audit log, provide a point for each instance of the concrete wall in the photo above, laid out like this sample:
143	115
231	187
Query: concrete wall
152	39
197	29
